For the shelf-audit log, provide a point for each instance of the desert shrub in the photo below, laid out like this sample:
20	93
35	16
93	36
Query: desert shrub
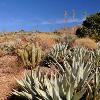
57	33
21	31
70	38
86	42
8	47
90	27
67	38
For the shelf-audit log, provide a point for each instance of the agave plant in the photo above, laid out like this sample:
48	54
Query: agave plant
38	87
85	57
97	85
59	51
78	73
94	88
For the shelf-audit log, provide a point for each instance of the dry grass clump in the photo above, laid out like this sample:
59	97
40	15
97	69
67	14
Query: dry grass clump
45	36
46	40
86	42
69	38
45	44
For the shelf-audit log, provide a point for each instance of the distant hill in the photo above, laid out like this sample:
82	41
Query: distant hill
71	30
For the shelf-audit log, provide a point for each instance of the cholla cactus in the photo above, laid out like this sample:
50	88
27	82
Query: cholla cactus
30	55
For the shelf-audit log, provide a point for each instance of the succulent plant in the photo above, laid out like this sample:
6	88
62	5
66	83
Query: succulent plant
59	51
71	83
38	87
78	73
79	68
30	55
97	85
90	58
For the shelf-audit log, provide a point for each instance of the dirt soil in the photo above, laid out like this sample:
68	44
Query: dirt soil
9	68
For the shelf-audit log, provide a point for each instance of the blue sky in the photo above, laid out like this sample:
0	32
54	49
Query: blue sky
43	15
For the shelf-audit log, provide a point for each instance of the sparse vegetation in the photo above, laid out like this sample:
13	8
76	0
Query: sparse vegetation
74	79
58	65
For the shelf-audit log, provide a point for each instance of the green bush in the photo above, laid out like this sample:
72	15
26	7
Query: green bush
90	27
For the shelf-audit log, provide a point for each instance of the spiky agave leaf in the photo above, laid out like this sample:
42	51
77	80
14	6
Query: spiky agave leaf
23	94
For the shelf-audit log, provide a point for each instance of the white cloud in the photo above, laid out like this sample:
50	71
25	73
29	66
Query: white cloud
77	20
61	21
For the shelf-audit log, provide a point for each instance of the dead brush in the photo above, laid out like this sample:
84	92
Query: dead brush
86	42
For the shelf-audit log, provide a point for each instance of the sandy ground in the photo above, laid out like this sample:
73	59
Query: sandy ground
9	69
